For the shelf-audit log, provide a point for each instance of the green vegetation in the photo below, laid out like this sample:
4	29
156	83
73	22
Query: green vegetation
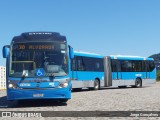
158	75
156	58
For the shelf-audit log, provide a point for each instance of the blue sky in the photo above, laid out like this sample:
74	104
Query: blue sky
126	27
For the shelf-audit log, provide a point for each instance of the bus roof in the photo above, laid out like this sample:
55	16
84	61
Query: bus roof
87	54
122	57
129	57
39	36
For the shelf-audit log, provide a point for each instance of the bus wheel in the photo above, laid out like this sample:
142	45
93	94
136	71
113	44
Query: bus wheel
138	83
76	89
63	100
96	85
122	86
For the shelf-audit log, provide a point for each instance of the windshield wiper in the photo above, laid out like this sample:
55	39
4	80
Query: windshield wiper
51	78
25	73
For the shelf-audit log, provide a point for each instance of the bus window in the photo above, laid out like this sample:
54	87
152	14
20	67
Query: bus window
151	66
126	66
114	65
137	65
98	64
80	64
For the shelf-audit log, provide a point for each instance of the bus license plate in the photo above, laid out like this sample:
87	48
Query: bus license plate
38	95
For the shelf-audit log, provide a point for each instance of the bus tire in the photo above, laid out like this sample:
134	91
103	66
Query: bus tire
76	89
122	86
138	83
63	100
96	85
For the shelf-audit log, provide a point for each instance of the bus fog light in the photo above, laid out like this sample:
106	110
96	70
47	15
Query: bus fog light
10	85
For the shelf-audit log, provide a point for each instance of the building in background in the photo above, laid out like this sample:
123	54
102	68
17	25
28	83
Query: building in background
2	77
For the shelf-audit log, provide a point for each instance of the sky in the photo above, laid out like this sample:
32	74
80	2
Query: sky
107	27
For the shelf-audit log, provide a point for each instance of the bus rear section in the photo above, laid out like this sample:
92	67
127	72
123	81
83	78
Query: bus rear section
95	71
123	71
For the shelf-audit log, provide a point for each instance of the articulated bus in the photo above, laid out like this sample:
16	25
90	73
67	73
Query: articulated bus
94	71
41	65
38	66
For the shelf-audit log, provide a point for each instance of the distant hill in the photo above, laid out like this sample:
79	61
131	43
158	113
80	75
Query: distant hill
156	58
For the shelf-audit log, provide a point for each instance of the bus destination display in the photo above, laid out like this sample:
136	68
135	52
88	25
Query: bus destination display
33	47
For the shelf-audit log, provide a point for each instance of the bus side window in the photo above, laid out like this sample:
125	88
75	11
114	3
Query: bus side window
148	66
98	65
88	63
137	65
123	66
144	66
126	66
118	66
114	65
151	66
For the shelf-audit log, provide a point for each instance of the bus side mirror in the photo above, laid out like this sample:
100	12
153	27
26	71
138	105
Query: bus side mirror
5	51
71	52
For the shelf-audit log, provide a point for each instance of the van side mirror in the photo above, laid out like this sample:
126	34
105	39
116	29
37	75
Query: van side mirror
5	51
71	52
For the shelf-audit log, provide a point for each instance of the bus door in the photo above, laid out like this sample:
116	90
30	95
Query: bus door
147	69
74	74
74	69
116	69
107	71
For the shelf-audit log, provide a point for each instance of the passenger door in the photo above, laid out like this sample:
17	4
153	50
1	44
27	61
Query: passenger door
74	69
147	70
116	70
145	65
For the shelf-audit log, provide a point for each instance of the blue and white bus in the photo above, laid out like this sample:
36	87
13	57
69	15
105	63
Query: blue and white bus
95	71
38	66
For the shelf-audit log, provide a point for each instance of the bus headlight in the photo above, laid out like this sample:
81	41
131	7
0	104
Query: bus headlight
10	85
63	84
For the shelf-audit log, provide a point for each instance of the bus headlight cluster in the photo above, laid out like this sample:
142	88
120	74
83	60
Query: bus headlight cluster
11	85
63	84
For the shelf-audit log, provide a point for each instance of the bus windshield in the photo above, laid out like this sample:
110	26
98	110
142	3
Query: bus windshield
33	59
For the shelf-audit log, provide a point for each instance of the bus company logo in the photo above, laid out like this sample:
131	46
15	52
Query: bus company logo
25	84
6	114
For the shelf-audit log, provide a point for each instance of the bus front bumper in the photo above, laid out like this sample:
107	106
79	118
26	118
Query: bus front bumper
22	94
